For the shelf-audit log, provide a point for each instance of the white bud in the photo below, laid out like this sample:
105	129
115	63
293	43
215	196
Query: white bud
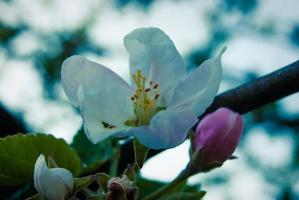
52	184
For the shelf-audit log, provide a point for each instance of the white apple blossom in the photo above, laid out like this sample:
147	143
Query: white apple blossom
159	107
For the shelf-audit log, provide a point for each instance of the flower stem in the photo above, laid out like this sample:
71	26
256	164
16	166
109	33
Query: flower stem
180	179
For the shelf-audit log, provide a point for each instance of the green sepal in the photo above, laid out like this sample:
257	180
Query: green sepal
35	197
102	180
195	165
140	153
80	183
131	172
191	136
51	162
233	157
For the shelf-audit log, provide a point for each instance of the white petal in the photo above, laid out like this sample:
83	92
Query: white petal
73	72
197	91
46	183
101	95
66	176
153	52
39	167
98	110
77	70
167	129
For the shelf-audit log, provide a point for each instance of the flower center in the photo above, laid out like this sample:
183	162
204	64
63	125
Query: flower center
144	99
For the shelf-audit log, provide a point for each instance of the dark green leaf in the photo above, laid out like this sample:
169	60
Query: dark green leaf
18	154
149	186
185	196
97	197
92	155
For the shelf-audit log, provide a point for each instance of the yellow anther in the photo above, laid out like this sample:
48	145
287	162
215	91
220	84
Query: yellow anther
144	99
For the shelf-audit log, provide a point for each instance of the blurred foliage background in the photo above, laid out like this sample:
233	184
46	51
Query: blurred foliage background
261	35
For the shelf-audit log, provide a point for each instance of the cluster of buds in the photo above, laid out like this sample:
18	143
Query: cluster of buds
58	183
216	138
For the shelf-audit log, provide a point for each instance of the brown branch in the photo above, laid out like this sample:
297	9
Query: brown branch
242	99
261	91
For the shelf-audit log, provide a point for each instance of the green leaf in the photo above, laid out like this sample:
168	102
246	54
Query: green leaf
148	186
18	154
185	196
97	197
92	155
140	153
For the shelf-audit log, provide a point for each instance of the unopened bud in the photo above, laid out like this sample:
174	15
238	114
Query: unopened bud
54	183
216	138
121	189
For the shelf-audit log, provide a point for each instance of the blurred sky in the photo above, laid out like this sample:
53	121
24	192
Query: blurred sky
186	23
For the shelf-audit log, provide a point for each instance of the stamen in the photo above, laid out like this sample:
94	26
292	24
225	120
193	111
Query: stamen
145	99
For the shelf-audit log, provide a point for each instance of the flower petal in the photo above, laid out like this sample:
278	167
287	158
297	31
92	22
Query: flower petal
197	91
65	175
168	129
39	167
153	52
77	70
103	97
103	115
46	183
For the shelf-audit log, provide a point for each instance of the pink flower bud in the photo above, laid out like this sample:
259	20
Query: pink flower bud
217	136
